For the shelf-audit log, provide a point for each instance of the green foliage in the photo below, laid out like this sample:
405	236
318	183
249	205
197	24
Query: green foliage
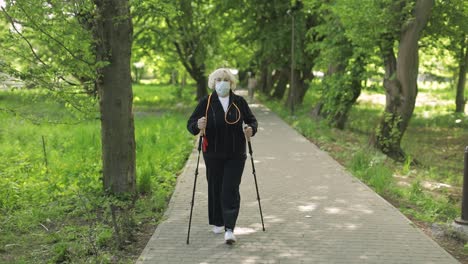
60	253
61	205
179	36
41	51
388	133
49	46
372	170
104	237
448	28
407	164
420	205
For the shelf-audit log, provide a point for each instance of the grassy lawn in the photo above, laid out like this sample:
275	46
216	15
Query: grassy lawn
52	208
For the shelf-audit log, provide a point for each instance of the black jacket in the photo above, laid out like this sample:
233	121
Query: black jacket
224	140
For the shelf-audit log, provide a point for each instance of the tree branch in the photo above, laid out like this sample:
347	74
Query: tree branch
23	37
38	27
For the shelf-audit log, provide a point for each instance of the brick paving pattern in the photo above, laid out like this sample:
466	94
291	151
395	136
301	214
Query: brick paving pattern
314	212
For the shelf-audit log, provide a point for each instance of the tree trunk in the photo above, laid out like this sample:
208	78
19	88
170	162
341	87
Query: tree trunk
189	46
174	77
463	63
400	83
201	87
266	80
197	71
280	88
113	35
269	81
297	90
304	87
263	77
355	87
183	83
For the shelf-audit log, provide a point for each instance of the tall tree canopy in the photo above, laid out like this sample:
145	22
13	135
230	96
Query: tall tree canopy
85	46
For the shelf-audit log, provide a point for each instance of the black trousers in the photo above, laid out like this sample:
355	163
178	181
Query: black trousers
224	177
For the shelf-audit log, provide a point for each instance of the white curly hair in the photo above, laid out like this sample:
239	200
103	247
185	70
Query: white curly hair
221	73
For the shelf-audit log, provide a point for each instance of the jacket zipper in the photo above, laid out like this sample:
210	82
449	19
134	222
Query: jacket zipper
234	134
215	127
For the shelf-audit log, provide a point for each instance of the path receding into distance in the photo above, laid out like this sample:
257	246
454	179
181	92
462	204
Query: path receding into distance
314	212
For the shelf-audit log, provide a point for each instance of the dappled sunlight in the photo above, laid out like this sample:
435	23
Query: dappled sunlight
292	253
273	219
351	226
333	210
307	208
244	231
435	185
347	209
341	201
346	226
423	99
250	260
361	208
257	106
257	226
319	198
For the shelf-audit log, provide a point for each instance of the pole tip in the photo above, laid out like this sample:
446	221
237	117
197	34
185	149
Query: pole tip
466	149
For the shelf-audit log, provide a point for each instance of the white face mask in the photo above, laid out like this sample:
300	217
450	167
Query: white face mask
222	88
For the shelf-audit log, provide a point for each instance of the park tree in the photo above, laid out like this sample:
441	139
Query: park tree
448	30
185	28
305	18
58	45
401	72
113	37
268	27
395	27
151	46
344	66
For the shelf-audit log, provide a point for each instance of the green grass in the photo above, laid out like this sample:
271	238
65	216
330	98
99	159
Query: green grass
434	138
58	213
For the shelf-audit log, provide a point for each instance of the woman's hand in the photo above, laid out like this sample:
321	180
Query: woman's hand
248	132
201	123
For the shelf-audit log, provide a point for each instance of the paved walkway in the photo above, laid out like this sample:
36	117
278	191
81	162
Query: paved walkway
314	212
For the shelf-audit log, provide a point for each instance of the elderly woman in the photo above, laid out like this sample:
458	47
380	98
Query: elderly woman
220	117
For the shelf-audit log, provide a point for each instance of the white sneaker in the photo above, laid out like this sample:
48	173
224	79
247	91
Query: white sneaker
218	229
229	237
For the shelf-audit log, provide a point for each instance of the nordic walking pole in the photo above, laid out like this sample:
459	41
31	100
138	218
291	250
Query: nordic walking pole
194	185
256	185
